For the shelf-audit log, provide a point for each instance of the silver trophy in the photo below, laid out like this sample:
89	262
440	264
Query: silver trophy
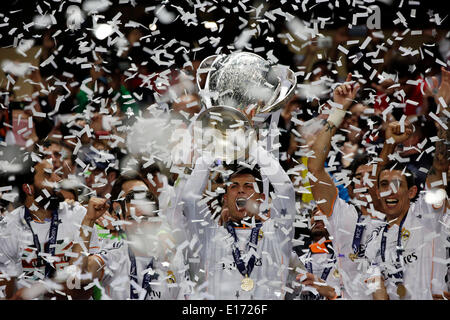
238	90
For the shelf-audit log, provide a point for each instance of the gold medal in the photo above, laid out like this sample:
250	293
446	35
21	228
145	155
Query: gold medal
247	284
336	273
401	290
353	256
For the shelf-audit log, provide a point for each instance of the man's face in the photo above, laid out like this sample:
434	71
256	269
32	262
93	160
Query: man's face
45	177
410	143
187	103
356	111
367	187
394	193
54	152
98	181
241	197
45	180
142	233
352	121
137	201
341	35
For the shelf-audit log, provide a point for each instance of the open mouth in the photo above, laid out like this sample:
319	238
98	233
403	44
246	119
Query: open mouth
240	203
391	203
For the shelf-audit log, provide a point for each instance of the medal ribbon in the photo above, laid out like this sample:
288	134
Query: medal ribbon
399	274
243	269
146	279
357	236
49	247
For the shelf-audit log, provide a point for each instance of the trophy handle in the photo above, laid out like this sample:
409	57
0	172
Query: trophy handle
284	91
205	64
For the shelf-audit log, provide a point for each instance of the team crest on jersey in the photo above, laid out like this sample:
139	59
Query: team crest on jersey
171	277
260	234
405	235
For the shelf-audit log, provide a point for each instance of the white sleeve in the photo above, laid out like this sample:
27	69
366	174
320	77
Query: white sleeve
446	223
284	202
174	212
181	268
193	190
431	215
291	282
342	221
112	255
10	261
79	212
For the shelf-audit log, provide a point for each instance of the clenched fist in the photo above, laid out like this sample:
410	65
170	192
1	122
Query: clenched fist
96	208
394	131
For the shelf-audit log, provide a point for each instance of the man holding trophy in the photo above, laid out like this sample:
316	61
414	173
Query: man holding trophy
248	256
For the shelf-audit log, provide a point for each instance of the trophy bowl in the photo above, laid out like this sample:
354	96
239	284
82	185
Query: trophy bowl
242	79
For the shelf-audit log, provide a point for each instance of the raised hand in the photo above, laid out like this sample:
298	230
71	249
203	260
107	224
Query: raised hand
96	208
346	92
443	90
394	131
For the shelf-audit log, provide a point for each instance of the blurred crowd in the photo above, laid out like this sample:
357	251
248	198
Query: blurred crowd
89	118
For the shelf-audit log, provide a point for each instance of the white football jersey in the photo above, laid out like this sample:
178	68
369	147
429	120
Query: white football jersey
167	282
341	226
423	259
18	256
319	263
212	264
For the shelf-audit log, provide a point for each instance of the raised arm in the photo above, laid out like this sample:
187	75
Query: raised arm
277	177
86	263
322	186
395	134
441	154
271	168
194	186
440	160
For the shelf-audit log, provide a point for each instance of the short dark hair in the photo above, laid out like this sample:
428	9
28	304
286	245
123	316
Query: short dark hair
360	159
240	170
395	165
119	182
152	169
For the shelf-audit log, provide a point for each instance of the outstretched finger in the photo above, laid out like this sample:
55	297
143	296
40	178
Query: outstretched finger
435	82
344	89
